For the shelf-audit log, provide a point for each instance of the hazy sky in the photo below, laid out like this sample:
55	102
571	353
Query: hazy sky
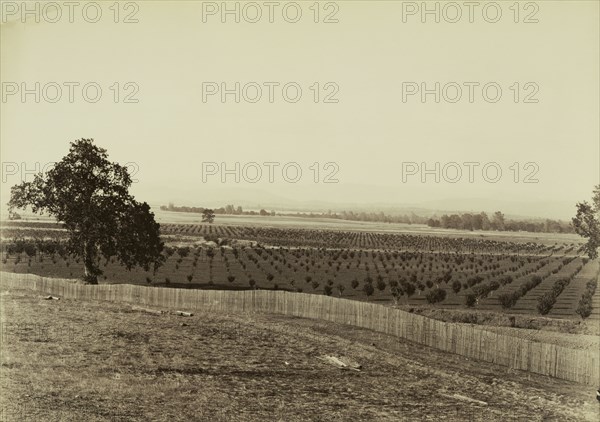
370	58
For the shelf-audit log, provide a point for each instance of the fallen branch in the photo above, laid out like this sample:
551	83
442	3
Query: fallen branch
351	363
51	298
340	363
464	398
181	313
150	311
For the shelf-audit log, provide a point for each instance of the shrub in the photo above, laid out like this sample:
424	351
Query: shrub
536	279
548	299
435	295
470	318
545	303
368	289
470	300
183	251
471	281
584	308
456	286
169	251
480	290
410	289
507	300
558	286
397	293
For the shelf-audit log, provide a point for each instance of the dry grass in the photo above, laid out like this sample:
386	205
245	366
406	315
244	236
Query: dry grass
74	360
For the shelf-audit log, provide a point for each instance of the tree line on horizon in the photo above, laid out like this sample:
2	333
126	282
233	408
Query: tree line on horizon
227	210
464	221
498	222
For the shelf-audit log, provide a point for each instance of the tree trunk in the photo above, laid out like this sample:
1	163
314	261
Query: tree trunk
90	269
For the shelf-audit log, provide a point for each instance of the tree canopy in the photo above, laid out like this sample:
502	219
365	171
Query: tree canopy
587	223
90	196
208	215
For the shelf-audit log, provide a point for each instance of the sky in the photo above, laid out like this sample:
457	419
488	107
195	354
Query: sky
350	129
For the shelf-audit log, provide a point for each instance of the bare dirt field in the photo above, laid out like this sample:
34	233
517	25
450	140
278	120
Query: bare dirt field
68	360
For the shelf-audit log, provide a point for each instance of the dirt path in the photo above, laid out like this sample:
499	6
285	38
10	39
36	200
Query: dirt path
73	360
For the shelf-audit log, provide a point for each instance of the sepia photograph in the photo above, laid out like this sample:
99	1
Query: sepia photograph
309	210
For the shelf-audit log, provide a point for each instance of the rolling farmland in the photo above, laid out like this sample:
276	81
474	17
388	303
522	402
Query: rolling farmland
223	356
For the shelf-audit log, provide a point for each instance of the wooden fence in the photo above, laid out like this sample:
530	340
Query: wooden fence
581	366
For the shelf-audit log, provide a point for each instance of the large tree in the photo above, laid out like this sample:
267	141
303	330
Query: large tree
498	221
587	223
90	196
208	215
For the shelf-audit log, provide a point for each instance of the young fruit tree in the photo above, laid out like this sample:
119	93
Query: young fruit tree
90	196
